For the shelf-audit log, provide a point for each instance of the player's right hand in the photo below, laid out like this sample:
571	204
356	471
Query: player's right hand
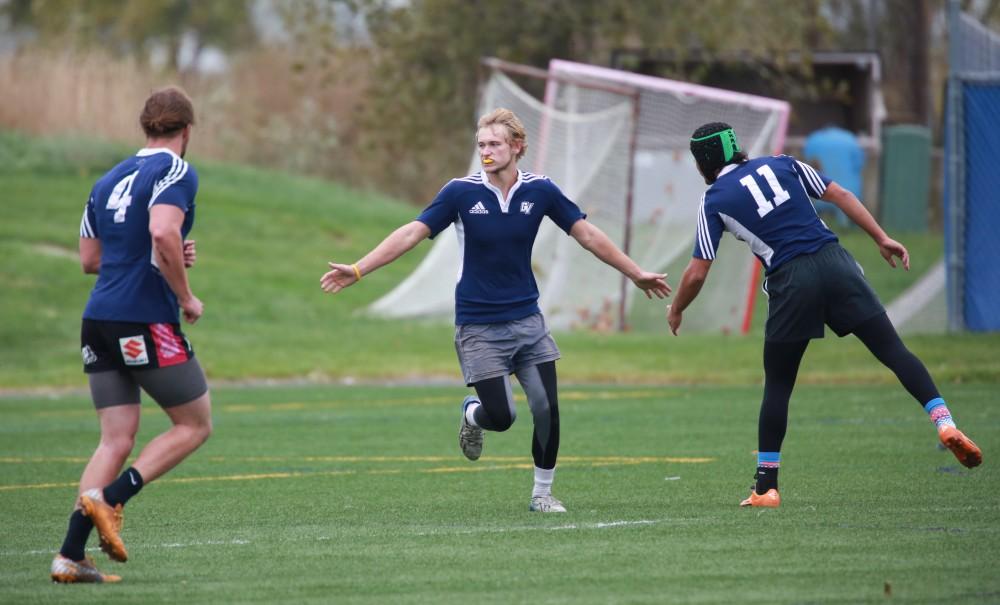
192	309
338	278
889	248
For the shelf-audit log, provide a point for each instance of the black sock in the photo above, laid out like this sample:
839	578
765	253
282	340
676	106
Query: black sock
767	478
76	536
123	488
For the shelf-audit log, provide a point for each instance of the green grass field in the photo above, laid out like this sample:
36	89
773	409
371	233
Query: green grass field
360	495
264	239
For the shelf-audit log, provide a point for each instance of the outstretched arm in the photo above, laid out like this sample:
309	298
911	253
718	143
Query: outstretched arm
600	245
398	243
856	211
691	282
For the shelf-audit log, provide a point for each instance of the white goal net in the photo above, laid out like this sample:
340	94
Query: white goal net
617	144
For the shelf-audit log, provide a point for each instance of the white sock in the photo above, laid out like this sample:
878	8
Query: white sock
543	482
470	413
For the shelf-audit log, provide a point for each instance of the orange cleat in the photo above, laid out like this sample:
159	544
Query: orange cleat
967	452
108	522
68	571
769	499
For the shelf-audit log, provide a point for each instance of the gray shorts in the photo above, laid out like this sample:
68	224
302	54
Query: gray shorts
170	386
500	349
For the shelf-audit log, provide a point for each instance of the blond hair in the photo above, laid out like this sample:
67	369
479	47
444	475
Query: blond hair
511	123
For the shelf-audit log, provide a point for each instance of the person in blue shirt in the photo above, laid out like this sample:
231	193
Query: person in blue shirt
499	328
836	153
132	236
810	281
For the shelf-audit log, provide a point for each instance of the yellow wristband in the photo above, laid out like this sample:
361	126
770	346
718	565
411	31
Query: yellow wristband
357	272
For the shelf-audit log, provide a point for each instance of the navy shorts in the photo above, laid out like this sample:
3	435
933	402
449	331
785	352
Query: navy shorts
826	287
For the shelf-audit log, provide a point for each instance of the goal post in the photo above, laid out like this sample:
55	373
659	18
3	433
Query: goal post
616	143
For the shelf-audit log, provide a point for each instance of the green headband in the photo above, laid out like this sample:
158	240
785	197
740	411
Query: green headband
729	144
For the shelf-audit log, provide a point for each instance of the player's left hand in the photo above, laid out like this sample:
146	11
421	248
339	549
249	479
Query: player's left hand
889	248
674	319
190	254
338	278
653	283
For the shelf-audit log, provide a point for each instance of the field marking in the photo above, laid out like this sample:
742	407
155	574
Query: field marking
49	551
499	463
308	406
569	526
594	460
442	531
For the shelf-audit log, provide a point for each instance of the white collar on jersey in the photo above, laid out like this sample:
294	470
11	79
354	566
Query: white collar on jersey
504	203
147	151
727	169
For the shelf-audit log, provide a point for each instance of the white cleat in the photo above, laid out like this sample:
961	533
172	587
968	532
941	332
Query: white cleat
546	504
470	438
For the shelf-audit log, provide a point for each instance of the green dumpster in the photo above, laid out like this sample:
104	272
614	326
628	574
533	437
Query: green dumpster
906	178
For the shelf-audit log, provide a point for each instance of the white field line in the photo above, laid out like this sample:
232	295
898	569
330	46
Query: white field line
570	526
49	551
438	532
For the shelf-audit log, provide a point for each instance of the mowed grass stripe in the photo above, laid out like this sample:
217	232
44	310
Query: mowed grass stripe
490	465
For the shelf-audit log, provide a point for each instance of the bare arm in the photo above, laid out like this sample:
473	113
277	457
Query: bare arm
90	254
856	211
691	282
398	243
600	245
165	223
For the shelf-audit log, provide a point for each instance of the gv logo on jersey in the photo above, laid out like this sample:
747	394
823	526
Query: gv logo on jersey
479	208
526	207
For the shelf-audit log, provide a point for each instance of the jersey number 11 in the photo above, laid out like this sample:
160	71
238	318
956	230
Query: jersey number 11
763	204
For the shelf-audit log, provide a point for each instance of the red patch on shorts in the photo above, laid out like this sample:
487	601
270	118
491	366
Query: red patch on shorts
170	349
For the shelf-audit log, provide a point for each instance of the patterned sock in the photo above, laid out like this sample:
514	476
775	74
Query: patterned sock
939	413
123	488
543	482
76	536
768	464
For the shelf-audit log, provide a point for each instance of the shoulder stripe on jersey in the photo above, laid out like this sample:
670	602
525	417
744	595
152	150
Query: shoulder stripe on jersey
85	229
813	178
472	178
177	172
704	237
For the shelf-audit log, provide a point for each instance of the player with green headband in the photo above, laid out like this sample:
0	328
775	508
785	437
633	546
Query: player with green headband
811	281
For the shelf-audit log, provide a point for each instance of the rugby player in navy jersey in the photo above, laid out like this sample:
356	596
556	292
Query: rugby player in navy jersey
132	236
810	281
499	328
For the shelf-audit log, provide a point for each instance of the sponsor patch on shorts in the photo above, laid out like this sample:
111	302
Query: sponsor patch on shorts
88	354
170	348
134	350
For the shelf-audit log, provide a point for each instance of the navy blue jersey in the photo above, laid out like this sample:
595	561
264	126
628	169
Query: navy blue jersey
495	281
129	285
765	203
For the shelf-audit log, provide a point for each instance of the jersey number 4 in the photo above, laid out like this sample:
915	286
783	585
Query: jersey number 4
765	205
121	197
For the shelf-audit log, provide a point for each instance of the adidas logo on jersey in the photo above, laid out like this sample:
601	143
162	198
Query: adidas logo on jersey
479	208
